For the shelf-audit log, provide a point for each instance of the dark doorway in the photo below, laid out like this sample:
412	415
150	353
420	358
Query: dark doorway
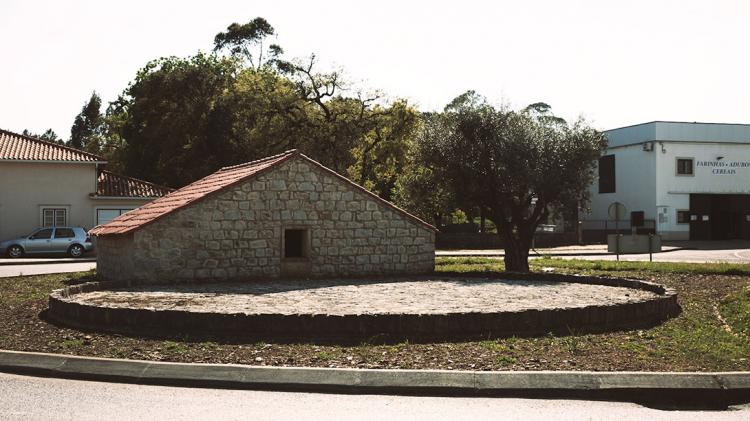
295	243
719	216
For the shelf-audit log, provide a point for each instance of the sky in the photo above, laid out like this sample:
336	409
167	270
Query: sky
614	63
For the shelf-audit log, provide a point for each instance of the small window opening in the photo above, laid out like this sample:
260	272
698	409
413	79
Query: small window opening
684	166
295	243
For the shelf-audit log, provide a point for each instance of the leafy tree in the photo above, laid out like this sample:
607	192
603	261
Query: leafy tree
419	187
168	121
88	126
381	154
242	39
182	118
516	166
48	135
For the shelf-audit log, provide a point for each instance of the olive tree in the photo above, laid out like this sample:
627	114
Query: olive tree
515	166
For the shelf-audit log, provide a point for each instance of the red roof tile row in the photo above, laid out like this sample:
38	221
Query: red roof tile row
17	147
215	182
109	184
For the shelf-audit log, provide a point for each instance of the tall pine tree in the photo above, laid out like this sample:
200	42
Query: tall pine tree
88	126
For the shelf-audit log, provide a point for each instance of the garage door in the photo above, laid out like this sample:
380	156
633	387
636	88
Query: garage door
105	215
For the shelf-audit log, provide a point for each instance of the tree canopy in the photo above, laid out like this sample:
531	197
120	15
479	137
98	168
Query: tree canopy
515	166
49	135
246	41
88	126
182	118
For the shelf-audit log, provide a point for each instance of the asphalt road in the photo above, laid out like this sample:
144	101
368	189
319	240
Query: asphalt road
699	252
38	269
689	256
35	398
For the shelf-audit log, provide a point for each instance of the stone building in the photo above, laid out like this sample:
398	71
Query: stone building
285	215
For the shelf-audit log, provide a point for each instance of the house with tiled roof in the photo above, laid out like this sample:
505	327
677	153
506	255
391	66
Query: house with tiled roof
281	216
47	184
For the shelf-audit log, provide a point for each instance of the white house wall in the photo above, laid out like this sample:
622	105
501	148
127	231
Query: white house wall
26	187
635	170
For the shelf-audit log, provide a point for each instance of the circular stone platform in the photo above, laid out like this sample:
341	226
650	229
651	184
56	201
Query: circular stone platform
355	309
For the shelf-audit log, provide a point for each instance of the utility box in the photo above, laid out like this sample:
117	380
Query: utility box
633	244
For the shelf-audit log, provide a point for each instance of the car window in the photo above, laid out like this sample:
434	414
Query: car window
64	233
42	234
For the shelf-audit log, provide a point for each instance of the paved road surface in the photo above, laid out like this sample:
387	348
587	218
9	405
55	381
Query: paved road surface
33	398
689	256
16	270
705	252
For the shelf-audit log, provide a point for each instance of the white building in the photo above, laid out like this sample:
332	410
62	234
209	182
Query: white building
691	179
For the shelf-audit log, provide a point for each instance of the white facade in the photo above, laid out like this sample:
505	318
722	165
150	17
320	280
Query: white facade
647	178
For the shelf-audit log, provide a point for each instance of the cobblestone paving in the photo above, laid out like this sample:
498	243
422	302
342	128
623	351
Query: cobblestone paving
428	296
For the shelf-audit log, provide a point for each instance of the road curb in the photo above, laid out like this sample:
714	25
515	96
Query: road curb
47	262
694	389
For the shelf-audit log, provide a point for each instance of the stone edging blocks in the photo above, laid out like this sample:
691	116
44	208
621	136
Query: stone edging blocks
357	327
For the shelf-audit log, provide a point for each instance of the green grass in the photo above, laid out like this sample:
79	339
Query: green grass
325	356
72	343
484	264
176	347
25	289
736	311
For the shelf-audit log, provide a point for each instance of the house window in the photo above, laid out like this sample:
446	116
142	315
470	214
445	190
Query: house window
105	215
684	166
607	174
683	217
295	243
54	217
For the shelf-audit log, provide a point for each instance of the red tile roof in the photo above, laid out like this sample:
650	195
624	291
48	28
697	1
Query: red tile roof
17	147
216	182
109	184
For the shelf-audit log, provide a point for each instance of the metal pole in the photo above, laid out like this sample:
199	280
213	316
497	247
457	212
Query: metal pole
650	254
617	232
617	236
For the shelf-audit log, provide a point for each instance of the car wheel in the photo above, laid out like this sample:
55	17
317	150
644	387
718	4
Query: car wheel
75	250
15	251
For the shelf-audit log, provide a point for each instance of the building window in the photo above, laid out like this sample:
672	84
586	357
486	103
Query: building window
54	217
607	174
684	166
105	215
683	217
295	243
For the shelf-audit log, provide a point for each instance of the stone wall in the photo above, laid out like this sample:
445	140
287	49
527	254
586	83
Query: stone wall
238	233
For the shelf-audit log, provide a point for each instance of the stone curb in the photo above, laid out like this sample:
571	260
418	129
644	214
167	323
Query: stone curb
64	309
713	389
21	262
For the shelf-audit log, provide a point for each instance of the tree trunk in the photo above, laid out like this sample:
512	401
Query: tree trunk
516	254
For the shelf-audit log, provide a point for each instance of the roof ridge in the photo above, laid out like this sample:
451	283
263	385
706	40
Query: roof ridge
258	161
137	179
47	142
